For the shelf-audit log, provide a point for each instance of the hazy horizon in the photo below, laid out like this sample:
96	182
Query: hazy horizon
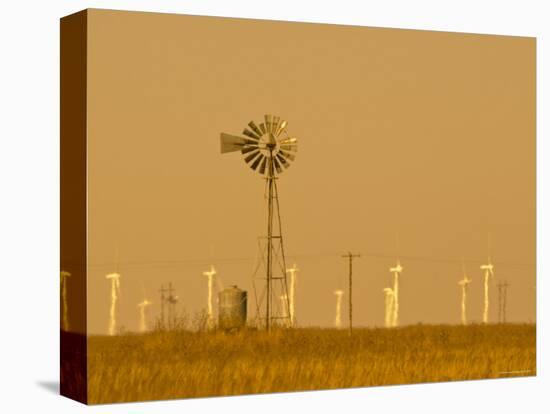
428	135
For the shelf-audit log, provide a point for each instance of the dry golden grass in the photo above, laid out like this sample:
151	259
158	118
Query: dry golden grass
164	365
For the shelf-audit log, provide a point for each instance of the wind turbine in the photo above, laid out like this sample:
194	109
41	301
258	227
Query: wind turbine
464	285
292	294
142	321
210	314
338	318
396	273
65	320
488	272
115	291
389	302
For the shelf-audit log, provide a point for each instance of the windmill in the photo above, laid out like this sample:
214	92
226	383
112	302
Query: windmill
464	285
64	304
338	319
292	294
210	313
115	291
388	302
268	150
142	320
396	273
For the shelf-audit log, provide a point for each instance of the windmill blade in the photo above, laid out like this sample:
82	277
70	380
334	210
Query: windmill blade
249	148
255	128
283	161
263	128
287	155
251	134
288	141
231	143
289	144
250	157
280	128
289	147
275	124
268	120
277	165
255	164
262	166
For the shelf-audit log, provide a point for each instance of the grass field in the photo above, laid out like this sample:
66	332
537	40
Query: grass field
164	365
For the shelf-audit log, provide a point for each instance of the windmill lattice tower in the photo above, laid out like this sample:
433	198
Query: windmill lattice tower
268	150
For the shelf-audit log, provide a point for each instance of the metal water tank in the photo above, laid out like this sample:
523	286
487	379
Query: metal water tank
232	308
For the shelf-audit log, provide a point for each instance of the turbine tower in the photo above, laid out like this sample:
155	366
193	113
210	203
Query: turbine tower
464	285
115	292
487	273
269	150
338	318
292	294
388	302
210	313
396	273
64	304
142	320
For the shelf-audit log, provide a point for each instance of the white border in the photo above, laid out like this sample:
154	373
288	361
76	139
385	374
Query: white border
29	235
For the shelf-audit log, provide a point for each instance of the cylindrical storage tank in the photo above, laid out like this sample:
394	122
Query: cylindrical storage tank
232	308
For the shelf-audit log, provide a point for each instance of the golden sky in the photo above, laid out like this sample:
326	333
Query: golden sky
428	135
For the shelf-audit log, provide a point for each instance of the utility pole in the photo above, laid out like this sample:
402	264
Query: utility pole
162	300
502	291
171	299
350	257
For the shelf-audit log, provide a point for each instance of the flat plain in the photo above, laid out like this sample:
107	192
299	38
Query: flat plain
185	364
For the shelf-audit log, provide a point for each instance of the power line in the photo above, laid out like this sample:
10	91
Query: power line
201	261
